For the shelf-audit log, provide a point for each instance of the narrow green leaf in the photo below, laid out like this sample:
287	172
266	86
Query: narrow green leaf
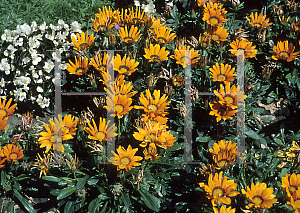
104	208
69	207
278	141
3	177
94	205
126	200
66	192
24	202
150	200
82	181
52	179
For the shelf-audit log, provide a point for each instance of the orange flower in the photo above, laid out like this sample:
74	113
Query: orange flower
12	152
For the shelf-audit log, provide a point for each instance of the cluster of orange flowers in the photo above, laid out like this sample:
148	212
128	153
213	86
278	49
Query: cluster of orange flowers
224	153
291	184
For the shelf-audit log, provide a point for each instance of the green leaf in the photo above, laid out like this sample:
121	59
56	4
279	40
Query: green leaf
278	141
82	181
69	207
24	202
126	200
94	205
150	200
66	192
92	181
52	179
55	192
104	208
3	177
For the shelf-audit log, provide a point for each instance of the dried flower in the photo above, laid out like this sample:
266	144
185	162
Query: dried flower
74	163
26	121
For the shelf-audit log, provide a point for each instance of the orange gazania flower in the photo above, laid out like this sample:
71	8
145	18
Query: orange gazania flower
3	122
121	105
125	65
291	183
223	74
295	201
259	22
5	110
284	51
125	159
12	152
156	54
214	14
217	34
151	153
163	35
185	56
136	16
43	163
101	133
80	67
259	196
219	189
221	111
132	36
83	41
249	50
223	209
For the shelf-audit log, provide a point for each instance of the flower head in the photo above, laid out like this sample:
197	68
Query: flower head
80	67
83	41
186	56
132	36
221	111
101	132
291	183
125	65
214	14
43	163
156	54
258	22
5	110
284	51
246	46
12	152
225	74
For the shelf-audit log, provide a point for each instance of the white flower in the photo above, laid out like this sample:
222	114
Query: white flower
23	30
40	81
63	66
149	8
32	98
7	35
56	58
19	42
34	26
33	42
35	75
47	77
32	68
39	37
45	103
61	22
22	96
26	88
39	89
6	53
75	27
137	3
26	60
2	82
49	65
36	60
25	80
49	36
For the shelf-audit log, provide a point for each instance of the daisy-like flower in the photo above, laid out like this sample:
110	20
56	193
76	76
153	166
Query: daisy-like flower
295	26
69	123
43	163
131	37
249	50
221	111
203	40
295	201
217	34
231	96
156	54
121	105
258	22
99	62
185	56
206	170
291	183
178	80
151	153
80	67
225	159
203	2
136	16
223	209
260	196
225	74
163	35
125	65
3	122
101	133
102	23
83	41
153	106
125	159
222	146
219	189
123	89
12	152
284	51
214	14
5	110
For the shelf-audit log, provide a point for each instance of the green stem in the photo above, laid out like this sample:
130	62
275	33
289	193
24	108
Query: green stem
119	129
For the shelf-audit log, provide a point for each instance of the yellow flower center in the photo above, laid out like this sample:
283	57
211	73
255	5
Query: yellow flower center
123	68
256	25
100	135
257	199
203	44
102	67
223	163
3	112
13	156
83	46
218	191
55	139
297	203
214	20
79	70
229	99
283	55
128	39
155	58
221	77
292	188
136	19
222	111
185	60
119	108
125	160
152	107
150	138
215	37
162	40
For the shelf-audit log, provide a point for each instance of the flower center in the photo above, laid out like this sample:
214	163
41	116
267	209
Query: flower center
218	191
13	156
257	199
119	108
162	40
125	160
83	46
257	25
221	77
101	27
185	60
222	111
2	113
223	163
155	58
123	68
128	38
79	70
283	55
150	138
100	135
229	99
203	44
215	37
152	107
297	203
55	139
214	20
292	188
102	67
